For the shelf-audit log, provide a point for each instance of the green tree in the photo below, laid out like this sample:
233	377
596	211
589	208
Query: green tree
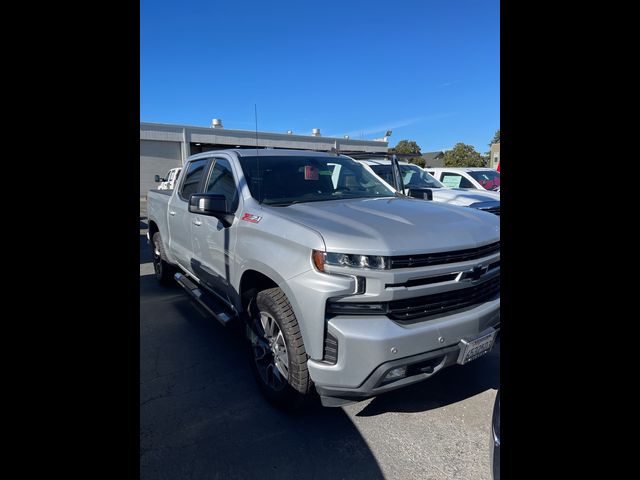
463	156
409	147
406	147
496	138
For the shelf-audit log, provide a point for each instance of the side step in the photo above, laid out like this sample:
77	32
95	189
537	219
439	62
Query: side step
209	304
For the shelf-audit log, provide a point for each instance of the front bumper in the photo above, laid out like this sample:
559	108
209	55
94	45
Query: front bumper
368	347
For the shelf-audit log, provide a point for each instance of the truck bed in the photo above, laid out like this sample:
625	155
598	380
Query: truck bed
157	210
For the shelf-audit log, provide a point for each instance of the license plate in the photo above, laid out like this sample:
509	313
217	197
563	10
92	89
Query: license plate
475	347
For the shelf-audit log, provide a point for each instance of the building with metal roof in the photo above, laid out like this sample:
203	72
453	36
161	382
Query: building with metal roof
166	146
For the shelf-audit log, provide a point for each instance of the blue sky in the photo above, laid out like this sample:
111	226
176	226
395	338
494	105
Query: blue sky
427	69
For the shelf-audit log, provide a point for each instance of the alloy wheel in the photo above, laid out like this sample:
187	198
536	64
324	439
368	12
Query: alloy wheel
270	352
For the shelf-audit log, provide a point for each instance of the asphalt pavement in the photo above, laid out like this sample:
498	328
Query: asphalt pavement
203	417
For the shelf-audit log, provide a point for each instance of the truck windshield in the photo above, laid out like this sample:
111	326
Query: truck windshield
412	176
489	179
288	179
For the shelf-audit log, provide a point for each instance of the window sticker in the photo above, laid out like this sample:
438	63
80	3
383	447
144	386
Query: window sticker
311	172
451	181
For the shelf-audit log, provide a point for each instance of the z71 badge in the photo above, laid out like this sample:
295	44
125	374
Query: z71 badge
248	217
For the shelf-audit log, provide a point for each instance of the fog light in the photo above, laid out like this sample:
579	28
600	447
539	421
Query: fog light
396	373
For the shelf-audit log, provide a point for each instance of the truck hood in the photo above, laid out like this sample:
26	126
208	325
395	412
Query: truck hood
394	226
459	196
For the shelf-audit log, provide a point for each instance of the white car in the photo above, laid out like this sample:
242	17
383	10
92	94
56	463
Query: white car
170	180
415	177
469	178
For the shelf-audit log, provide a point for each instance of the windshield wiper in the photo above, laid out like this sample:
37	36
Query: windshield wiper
282	204
286	204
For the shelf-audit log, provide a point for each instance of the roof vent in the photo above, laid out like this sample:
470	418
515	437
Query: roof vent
315	132
216	123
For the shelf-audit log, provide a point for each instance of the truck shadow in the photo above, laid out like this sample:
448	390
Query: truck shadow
203	416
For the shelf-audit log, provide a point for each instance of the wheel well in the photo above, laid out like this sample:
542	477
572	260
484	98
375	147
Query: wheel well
153	228
251	283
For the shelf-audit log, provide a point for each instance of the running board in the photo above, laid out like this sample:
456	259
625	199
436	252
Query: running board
209	304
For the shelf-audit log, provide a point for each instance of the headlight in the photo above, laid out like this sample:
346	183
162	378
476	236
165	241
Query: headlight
373	262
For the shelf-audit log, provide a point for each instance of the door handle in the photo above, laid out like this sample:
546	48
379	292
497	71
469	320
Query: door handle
197	223
171	213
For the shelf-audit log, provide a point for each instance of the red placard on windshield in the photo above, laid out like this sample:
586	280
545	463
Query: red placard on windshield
310	172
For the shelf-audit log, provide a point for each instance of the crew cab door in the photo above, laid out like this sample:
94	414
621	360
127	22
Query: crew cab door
212	242
179	218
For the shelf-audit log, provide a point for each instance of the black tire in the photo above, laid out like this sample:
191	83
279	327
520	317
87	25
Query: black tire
163	270
294	388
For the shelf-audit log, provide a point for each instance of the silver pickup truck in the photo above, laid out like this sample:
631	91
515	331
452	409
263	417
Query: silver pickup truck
341	285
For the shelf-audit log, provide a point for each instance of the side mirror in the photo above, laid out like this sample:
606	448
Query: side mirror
423	193
159	179
211	205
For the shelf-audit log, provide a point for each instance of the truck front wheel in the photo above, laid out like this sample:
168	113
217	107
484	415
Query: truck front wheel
279	359
163	270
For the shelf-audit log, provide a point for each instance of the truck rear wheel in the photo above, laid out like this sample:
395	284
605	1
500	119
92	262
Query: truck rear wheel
163	270
279	359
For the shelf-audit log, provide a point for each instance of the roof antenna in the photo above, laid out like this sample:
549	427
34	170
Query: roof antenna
255	114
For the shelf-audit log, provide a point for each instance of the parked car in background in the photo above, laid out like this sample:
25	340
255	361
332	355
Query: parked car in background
170	180
469	178
414	177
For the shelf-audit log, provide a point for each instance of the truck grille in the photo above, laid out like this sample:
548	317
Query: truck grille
424	260
438	303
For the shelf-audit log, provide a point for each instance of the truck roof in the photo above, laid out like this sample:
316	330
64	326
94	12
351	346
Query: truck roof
379	161
461	169
264	152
